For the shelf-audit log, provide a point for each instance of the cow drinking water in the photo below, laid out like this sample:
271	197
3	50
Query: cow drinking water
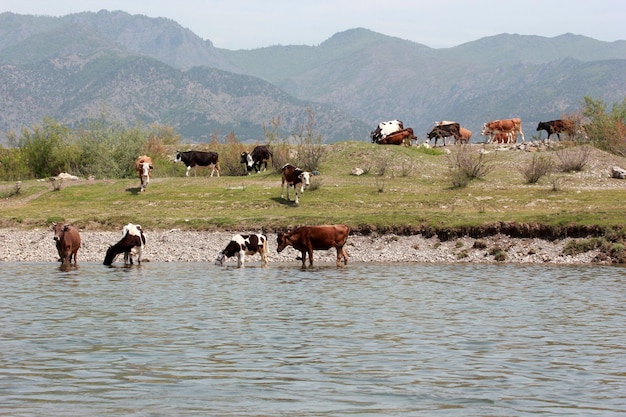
306	239
132	243
242	245
67	241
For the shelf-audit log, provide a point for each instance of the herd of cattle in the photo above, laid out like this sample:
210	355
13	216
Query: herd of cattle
393	132
305	239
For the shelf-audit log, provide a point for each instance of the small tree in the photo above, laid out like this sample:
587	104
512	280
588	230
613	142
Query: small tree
606	130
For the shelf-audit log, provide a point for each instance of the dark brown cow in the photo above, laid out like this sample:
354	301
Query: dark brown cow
556	127
400	137
444	131
306	239
67	241
296	178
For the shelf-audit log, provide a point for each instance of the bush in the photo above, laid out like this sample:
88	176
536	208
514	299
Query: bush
466	166
538	167
573	159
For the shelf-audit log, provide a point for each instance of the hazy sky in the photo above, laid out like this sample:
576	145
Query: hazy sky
248	24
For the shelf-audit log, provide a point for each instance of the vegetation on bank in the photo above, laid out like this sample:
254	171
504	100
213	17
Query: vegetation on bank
471	190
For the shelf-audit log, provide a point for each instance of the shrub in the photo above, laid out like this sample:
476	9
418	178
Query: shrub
573	159
538	167
466	166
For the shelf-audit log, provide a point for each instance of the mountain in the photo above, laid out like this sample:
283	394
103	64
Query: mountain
134	68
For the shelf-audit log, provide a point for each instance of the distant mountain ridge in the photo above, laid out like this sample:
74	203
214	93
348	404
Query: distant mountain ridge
135	68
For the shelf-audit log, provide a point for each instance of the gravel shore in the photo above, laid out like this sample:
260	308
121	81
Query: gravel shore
192	246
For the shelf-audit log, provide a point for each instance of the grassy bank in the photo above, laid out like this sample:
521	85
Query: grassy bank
404	190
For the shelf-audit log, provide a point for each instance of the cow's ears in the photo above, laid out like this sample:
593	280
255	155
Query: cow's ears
66	227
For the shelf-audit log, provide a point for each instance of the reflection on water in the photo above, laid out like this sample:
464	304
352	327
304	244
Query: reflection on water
393	340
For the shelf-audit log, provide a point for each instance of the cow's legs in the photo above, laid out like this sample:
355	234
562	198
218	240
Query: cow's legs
263	253
241	258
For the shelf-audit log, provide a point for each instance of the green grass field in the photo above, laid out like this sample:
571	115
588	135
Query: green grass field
405	189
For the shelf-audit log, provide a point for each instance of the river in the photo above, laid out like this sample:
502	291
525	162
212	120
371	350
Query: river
195	339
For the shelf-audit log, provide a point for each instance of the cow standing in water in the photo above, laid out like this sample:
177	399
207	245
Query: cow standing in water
67	241
143	166
132	243
242	245
306	239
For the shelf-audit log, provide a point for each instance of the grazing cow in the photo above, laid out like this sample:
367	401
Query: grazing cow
510	127
67	241
466	135
132	243
293	176
445	131
400	137
143	166
259	155
556	127
193	158
385	128
306	239
242	245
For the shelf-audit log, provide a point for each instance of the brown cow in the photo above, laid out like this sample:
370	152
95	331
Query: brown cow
306	239
511	127
143	165
296	178
67	241
466	135
400	137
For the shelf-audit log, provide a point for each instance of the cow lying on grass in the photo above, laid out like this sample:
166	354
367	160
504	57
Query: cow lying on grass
242	245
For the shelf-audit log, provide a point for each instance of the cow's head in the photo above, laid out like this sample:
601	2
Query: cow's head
543	126
305	179
145	169
178	157
59	229
283	241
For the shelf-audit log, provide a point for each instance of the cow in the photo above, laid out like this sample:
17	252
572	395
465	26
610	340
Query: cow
556	127
500	138
306	239
385	128
191	159
445	131
242	245
143	166
466	135
296	178
67	241
510	127
132	243
253	160
400	137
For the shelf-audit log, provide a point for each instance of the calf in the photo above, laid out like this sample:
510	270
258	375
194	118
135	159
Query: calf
132	243
242	245
306	239
293	176
67	241
259	155
193	158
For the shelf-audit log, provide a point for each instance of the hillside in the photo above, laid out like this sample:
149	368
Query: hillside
151	70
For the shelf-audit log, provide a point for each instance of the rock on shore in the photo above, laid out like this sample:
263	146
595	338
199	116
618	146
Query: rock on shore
193	246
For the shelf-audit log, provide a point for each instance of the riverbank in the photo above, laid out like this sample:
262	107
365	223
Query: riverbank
197	246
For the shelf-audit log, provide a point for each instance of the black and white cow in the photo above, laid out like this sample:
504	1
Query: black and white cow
259	155
384	129
132	243
193	158
242	245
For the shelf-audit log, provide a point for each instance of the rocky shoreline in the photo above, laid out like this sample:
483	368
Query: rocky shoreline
199	246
